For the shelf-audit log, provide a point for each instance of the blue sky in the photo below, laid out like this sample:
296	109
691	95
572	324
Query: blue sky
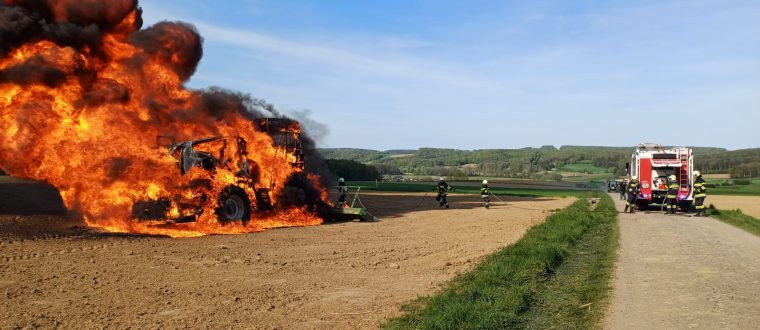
490	74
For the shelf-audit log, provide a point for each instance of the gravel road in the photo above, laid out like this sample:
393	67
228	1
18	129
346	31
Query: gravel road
680	272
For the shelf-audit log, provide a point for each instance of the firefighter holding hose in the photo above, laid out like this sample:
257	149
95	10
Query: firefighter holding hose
342	192
672	194
700	193
485	194
633	192
443	190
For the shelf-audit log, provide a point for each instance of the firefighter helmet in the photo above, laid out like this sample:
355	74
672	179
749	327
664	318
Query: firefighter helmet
485	181
672	177
440	178
696	173
341	180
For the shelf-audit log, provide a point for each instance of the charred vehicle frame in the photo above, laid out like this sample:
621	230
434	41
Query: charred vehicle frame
233	203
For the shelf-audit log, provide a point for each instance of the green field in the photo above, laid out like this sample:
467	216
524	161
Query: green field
599	177
583	167
750	189
548	279
429	187
738	219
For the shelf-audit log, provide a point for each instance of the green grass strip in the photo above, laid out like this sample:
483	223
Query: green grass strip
542	281
428	187
751	189
737	218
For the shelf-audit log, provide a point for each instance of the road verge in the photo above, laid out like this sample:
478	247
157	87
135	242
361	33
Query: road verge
736	218
558	274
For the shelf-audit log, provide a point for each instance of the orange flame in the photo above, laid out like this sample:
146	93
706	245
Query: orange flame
86	119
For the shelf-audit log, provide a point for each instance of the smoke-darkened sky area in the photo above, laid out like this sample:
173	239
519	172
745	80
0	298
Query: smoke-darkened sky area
490	74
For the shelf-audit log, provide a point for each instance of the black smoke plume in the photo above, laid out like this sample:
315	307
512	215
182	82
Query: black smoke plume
79	28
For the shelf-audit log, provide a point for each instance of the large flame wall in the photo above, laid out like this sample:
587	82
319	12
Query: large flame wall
84	92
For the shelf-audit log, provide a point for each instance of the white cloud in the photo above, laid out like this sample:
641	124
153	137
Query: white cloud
542	85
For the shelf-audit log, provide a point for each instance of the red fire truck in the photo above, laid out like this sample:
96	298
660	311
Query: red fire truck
652	164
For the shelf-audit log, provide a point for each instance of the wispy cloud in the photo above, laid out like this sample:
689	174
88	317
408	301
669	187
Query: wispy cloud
388	64
523	80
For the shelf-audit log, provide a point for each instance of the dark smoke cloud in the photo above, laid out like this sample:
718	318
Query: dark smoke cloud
316	130
49	68
78	27
16	26
176	43
68	23
217	101
257	105
84	12
69	34
35	70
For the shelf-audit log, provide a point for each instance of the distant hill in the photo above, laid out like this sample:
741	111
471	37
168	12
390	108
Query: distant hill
742	163
529	162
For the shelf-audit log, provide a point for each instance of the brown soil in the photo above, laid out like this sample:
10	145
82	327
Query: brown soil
344	275
749	205
678	272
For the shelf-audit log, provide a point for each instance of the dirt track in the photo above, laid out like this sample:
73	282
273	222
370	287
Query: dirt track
677	272
345	275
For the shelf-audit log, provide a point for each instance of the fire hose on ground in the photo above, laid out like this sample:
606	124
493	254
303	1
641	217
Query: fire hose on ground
510	205
422	200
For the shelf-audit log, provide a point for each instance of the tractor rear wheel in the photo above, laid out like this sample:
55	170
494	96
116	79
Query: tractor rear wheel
233	205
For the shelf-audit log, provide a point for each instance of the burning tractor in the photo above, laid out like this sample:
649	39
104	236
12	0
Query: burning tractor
243	193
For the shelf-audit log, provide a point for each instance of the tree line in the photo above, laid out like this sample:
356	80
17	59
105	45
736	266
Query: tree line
743	163
533	162
352	170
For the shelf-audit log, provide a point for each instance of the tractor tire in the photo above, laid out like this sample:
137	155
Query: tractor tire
233	205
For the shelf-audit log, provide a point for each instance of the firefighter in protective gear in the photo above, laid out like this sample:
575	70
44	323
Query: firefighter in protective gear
633	193
700	193
485	194
671	198
342	192
622	189
443	190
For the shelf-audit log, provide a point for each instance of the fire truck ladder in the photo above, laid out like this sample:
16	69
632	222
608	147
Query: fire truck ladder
685	171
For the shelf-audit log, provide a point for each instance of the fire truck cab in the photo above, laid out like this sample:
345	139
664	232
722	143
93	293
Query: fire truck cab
652	163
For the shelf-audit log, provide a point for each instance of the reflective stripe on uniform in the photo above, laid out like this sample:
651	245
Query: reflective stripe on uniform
673	190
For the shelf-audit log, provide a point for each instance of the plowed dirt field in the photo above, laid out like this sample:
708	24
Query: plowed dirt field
55	273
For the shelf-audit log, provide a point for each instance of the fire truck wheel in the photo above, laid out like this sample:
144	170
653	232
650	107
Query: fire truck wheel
233	205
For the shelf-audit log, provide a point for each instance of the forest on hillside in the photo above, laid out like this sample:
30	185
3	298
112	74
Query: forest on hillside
533	162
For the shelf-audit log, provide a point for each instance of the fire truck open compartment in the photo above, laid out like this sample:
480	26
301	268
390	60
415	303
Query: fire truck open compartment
652	164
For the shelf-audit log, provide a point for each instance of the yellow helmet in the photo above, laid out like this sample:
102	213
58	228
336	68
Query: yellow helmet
485	181
672	177
696	173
